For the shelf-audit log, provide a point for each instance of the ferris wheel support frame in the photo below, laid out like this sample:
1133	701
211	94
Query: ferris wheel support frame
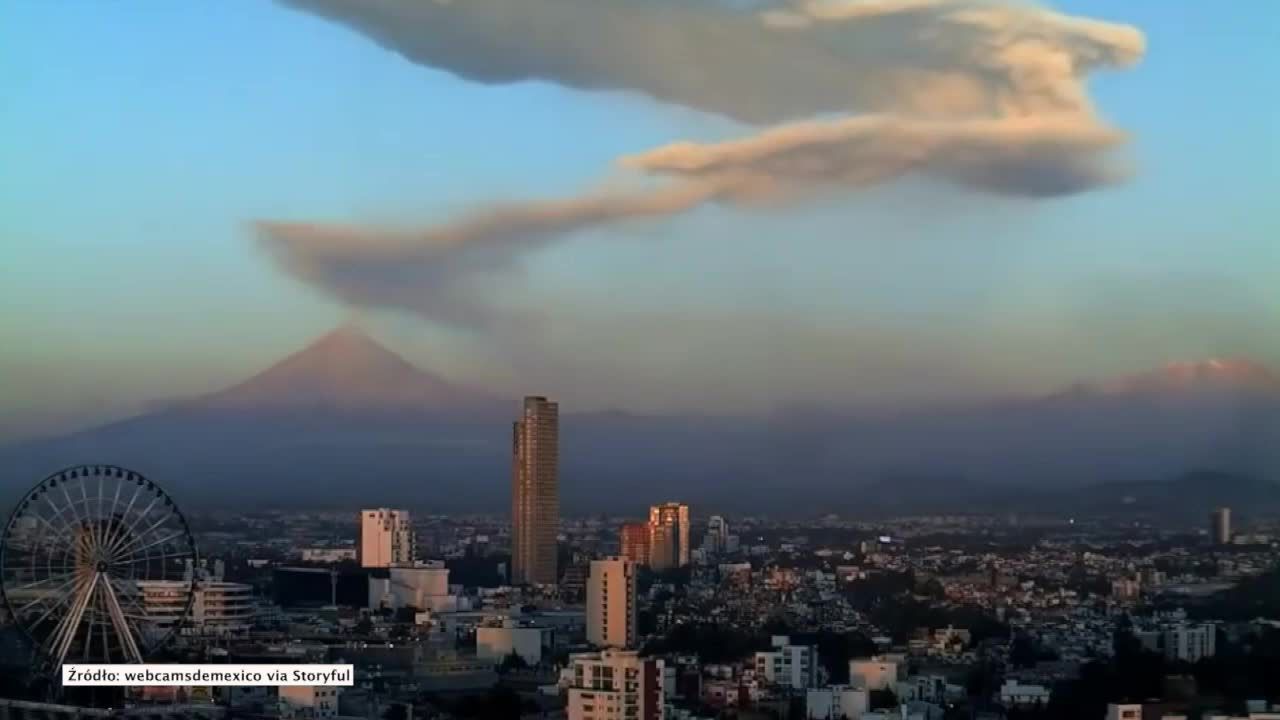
79	560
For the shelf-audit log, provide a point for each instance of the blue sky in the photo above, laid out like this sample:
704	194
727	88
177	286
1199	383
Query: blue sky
138	141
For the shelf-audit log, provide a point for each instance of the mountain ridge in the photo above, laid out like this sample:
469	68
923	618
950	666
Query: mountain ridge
1238	375
345	420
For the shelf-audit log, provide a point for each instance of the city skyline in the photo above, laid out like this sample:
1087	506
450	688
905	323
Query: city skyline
843	617
725	308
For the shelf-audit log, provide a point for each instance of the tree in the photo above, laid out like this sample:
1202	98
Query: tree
500	703
710	642
1022	652
646	622
406	614
512	662
981	682
835	650
934	588
882	699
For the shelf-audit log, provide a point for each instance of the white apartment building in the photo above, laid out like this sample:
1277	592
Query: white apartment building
717	535
386	538
787	665
836	702
217	608
615	685
1188	643
928	688
611	603
424	586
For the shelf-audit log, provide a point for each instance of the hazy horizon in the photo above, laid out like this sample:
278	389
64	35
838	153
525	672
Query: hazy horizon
245	386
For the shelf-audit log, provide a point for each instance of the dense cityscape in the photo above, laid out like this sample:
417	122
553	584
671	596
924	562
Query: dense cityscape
639	360
680	613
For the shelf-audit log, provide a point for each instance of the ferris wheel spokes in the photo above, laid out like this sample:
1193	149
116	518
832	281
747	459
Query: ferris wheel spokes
75	563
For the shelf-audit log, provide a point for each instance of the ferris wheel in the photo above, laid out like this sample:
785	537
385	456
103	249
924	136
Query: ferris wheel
96	565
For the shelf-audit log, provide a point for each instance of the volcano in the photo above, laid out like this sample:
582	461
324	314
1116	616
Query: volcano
346	370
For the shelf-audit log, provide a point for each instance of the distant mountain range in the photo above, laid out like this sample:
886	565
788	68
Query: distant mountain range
346	421
1187	497
1230	376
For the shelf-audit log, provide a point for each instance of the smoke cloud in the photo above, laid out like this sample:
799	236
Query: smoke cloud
786	61
435	271
987	95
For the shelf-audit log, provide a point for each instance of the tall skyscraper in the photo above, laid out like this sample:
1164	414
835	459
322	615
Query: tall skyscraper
1220	526
635	543
611	603
535	499
717	534
386	538
669	536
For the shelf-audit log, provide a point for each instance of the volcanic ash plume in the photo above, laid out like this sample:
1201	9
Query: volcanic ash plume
843	95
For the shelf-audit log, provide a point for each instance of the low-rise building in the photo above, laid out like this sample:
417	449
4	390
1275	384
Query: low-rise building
1015	694
424	586
498	642
217	608
327	555
928	688
787	665
874	673
1186	643
836	702
308	702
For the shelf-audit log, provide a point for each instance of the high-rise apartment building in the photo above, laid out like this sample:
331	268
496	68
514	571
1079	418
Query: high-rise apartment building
611	603
573	581
717	536
1181	642
635	543
669	536
1220	526
790	666
386	538
615	685
535	501
662	547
